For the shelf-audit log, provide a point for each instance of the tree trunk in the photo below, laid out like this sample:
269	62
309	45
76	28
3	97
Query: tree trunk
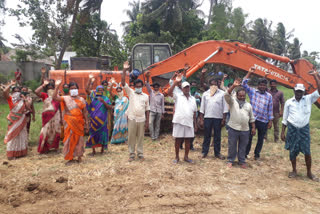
67	39
210	12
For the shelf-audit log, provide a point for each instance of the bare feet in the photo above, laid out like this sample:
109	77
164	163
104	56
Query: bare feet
131	159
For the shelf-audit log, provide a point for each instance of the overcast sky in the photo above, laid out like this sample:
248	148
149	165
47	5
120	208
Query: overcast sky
303	16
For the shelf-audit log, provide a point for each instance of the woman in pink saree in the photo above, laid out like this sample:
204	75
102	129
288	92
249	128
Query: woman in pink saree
17	136
51	119
74	109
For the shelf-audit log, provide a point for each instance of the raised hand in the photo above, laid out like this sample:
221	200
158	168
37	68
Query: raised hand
147	74
126	65
186	66
112	80
204	70
179	77
13	82
45	82
252	70
312	72
58	82
225	76
237	82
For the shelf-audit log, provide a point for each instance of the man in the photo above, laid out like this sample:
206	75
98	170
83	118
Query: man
213	112
240	116
277	101
138	114
296	116
156	108
183	118
261	102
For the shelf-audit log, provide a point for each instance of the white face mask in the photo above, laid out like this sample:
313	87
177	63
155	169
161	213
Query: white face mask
120	94
74	92
50	92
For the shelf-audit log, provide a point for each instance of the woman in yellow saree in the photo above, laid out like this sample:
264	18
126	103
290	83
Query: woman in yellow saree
74	108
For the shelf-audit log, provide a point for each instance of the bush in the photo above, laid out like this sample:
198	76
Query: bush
32	84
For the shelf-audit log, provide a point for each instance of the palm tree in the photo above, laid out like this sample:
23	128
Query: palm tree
171	12
261	34
132	14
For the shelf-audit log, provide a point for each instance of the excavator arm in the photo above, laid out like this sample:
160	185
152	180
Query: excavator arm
240	56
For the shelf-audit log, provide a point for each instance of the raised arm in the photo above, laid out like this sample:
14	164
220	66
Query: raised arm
89	84
107	105
43	72
227	95
222	81
55	93
251	71
147	82
175	83
6	91
316	77
126	67
202	81
39	89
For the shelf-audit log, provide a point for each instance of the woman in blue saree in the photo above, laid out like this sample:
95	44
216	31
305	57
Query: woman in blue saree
120	129
97	106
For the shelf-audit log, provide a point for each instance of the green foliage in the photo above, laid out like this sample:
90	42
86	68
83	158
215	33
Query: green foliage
32	84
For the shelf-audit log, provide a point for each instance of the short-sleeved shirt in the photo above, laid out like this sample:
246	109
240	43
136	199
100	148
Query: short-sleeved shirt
277	99
17	75
138	105
184	109
298	112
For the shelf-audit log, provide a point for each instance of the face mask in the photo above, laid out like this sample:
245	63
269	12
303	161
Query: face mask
66	90
98	93
120	94
213	89
138	90
50	92
24	93
74	92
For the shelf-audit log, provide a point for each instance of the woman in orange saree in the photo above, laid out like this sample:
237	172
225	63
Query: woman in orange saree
17	136
74	109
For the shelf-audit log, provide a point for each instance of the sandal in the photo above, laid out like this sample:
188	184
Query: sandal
314	178
131	159
188	160
229	165
175	161
292	175
243	166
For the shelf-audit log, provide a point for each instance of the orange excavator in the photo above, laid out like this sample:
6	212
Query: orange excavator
157	59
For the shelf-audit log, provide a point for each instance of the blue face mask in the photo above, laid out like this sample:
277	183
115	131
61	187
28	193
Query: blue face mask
138	90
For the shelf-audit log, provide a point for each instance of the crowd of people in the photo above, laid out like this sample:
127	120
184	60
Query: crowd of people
116	118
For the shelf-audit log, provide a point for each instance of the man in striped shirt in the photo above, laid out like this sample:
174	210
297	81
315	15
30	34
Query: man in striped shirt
262	108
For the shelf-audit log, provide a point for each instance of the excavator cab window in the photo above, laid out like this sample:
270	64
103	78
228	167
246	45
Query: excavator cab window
146	54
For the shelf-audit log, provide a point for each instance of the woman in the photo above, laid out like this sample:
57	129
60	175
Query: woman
108	93
51	120
120	130
98	106
74	108
65	90
17	136
29	102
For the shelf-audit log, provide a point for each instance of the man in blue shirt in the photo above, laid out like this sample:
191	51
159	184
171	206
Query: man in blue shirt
261	102
296	116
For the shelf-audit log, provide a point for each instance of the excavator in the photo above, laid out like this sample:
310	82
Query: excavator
158	60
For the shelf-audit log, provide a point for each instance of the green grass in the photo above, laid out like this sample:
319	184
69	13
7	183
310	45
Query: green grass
34	129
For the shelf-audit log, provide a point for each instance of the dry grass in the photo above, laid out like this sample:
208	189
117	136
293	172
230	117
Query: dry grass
110	184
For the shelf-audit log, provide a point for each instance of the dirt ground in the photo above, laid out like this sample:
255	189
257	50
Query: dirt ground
110	184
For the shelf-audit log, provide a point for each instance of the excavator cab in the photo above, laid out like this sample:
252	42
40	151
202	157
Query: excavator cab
145	54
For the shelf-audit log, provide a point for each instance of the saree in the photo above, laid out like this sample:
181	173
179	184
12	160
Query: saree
51	128
73	141
17	136
120	130
98	114
107	94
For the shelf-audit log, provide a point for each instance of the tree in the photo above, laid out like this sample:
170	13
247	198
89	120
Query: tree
294	49
132	14
261	35
50	22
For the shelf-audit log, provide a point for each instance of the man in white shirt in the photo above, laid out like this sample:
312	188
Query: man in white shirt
183	118
296	116
213	112
138	114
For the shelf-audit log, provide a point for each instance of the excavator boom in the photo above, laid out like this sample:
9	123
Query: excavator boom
240	56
